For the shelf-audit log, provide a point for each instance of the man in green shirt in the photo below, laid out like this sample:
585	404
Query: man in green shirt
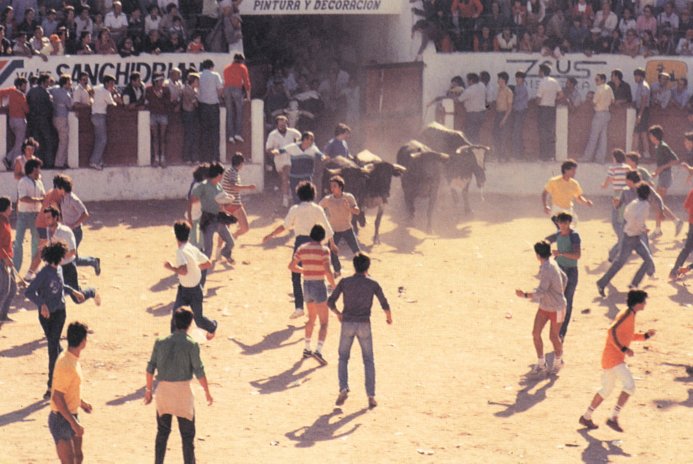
567	253
176	359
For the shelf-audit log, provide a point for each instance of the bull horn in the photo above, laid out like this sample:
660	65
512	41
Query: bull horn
461	150
399	168
416	155
368	168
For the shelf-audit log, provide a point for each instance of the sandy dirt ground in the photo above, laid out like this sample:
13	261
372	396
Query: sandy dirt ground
451	370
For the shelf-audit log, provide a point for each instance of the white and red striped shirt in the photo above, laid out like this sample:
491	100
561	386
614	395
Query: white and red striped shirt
313	256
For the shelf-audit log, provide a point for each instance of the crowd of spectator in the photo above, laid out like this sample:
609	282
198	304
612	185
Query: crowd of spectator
556	27
128	28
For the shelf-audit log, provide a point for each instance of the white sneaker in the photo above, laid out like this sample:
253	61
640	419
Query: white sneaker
232	140
296	314
239	138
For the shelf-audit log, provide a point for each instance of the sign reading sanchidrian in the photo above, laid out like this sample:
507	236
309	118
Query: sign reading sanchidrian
297	7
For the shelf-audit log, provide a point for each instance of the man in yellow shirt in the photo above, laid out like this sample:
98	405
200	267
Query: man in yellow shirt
66	398
563	190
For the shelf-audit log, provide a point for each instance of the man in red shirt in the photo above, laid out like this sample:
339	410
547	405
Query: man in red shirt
618	340
18	109
236	80
8	285
688	247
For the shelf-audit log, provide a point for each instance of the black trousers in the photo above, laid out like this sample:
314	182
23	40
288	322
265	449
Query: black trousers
187	434
209	137
53	328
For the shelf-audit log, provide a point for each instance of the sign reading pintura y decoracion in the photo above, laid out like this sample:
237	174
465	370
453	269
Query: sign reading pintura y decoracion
303	7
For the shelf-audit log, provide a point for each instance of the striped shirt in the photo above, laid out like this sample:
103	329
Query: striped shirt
302	161
229	183
617	174
313	257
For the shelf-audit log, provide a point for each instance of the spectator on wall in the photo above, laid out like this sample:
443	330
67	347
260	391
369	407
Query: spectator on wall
40	119
18	110
210	94
237	89
158	100
62	105
105	95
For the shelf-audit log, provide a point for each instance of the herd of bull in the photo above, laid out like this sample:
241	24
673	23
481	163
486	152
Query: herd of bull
422	163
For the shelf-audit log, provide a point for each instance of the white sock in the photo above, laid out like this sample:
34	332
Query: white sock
319	348
588	414
307	343
541	361
616	412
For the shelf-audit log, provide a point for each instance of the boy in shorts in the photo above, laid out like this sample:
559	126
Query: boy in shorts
618	339
312	260
552	303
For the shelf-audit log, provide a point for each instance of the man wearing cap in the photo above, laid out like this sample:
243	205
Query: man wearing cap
210	94
236	82
548	92
601	101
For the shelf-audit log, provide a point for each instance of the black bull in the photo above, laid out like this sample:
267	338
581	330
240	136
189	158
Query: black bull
440	151
369	183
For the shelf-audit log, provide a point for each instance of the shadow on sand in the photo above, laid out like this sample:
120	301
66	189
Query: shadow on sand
25	349
323	429
20	415
599	450
290	378
272	341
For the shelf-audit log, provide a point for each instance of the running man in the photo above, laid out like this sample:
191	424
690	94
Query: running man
231	183
563	189
190	262
280	137
618	340
66	398
46	291
358	291
666	159
340	207
551	297
301	218
312	261
635	216
688	246
566	254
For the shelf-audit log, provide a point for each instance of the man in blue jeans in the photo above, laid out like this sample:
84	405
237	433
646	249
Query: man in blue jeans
358	290
566	255
340	207
103	98
635	215
30	193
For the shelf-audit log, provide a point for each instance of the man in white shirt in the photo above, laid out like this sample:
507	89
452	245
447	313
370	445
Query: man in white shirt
548	92
211	92
602	100
116	22
280	137
103	98
190	262
82	93
605	19
301	218
635	215
30	193
474	100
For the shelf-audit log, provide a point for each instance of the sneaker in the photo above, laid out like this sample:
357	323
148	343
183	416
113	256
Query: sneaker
155	163
613	423
239	138
97	298
307	354
296	314
656	234
98	167
47	395
371	402
97	266
232	140
556	368
342	397
539	369
210	335
679	226
601	292
318	357
162	161
588	423
7	163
